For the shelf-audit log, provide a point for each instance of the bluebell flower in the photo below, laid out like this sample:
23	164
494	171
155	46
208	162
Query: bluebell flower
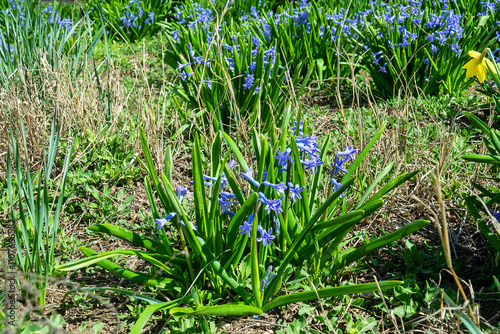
224	205
383	68
312	163
184	75
280	187
247	226
267	279
348	153
266	237
274	205
337	166
248	81
264	175
456	48
209	178
434	49
257	89
162	221
231	64
283	157
175	36
301	128
295	191
248	175
308	144
181	66
226	196
495	215
180	192
336	186
208	83
231	164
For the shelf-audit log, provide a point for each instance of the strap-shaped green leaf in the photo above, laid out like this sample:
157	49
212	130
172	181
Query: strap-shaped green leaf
200	200
236	152
131	275
306	231
148	312
132	237
363	154
354	254
489	159
478	123
234	310
400	179
379	177
329	292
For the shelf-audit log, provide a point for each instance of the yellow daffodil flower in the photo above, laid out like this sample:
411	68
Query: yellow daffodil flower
478	65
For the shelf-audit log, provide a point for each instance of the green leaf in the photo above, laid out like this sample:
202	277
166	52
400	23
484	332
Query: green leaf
353	254
129	236
328	292
148	312
131	275
234	310
85	262
236	152
124	292
254	256
493	238
478	123
489	159
200	200
305	232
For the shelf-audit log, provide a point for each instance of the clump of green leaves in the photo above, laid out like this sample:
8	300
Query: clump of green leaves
248	233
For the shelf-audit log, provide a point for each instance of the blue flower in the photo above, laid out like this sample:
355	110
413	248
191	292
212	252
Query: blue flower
274	205
336	186
247	226
248	81
225	195
266	237
295	191
180	192
267	279
162	221
208	83
184	75
383	68
496	215
280	187
312	163
348	153
209	178
248	175
283	157
308	144
224	205
337	166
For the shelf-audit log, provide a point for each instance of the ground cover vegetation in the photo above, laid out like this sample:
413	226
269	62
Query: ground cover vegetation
250	166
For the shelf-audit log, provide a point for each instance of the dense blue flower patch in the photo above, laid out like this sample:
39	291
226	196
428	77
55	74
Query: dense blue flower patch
406	44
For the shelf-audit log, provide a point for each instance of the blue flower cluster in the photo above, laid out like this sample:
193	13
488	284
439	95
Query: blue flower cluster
55	17
409	24
17	7
133	15
273	206
310	159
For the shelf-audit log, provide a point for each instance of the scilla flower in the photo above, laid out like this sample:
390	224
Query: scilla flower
478	65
